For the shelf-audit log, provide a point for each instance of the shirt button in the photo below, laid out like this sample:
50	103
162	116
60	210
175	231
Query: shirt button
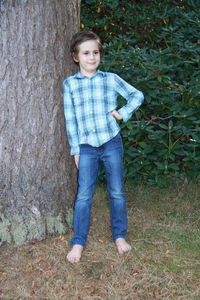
93	130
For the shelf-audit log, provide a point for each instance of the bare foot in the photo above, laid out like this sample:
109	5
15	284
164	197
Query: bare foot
74	255
122	245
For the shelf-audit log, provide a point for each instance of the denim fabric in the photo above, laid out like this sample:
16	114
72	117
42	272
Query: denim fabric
111	155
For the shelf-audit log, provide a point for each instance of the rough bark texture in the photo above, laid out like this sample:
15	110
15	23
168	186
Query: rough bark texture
38	176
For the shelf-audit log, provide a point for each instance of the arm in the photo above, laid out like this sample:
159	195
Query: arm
71	123
76	159
133	96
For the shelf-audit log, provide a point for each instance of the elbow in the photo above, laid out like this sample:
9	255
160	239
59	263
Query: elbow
141	96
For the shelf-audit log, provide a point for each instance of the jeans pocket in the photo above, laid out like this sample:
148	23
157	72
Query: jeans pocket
117	139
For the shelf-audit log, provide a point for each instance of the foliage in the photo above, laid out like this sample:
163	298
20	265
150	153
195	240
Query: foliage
154	45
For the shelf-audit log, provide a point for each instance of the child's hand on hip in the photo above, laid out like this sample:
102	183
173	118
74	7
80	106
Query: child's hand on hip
76	159
116	115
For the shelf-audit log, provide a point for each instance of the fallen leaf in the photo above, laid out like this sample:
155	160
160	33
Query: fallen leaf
101	241
62	238
145	259
28	268
33	292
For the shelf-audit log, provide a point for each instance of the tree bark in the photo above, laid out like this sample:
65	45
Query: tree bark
38	176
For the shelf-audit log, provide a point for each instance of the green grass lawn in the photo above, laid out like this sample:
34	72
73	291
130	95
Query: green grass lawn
164	231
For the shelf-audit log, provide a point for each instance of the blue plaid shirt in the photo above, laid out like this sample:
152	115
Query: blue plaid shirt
88	103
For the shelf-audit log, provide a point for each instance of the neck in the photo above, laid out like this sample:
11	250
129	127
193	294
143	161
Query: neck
88	74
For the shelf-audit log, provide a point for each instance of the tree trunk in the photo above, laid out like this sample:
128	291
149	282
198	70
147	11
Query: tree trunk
38	176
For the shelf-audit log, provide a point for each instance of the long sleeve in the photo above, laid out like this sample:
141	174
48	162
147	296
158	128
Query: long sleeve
71	123
133	97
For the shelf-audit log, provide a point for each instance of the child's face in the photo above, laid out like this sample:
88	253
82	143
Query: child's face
88	57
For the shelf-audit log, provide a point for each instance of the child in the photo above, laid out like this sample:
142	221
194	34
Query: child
90	101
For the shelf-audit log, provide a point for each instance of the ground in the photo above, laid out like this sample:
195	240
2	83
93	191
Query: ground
164	232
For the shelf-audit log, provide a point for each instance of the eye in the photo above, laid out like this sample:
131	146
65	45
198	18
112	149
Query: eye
96	52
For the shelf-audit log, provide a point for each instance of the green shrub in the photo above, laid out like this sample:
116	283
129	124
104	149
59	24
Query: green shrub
155	46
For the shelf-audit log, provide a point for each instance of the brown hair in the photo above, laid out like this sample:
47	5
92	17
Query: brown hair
81	37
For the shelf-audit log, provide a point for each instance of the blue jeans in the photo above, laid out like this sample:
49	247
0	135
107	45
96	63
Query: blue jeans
111	154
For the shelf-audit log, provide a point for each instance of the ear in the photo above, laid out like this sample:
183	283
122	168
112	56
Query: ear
75	58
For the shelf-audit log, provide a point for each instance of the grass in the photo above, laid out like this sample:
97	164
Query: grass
164	230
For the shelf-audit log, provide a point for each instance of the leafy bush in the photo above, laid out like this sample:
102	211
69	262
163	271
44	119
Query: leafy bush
154	45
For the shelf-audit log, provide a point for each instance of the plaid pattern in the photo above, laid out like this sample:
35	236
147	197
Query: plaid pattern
88	103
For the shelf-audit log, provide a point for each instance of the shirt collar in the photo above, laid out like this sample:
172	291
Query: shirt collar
79	75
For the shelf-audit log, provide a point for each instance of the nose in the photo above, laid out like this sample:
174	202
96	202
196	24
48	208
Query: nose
92	56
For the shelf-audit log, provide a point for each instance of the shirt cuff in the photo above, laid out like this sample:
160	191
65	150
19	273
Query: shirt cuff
75	150
125	115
